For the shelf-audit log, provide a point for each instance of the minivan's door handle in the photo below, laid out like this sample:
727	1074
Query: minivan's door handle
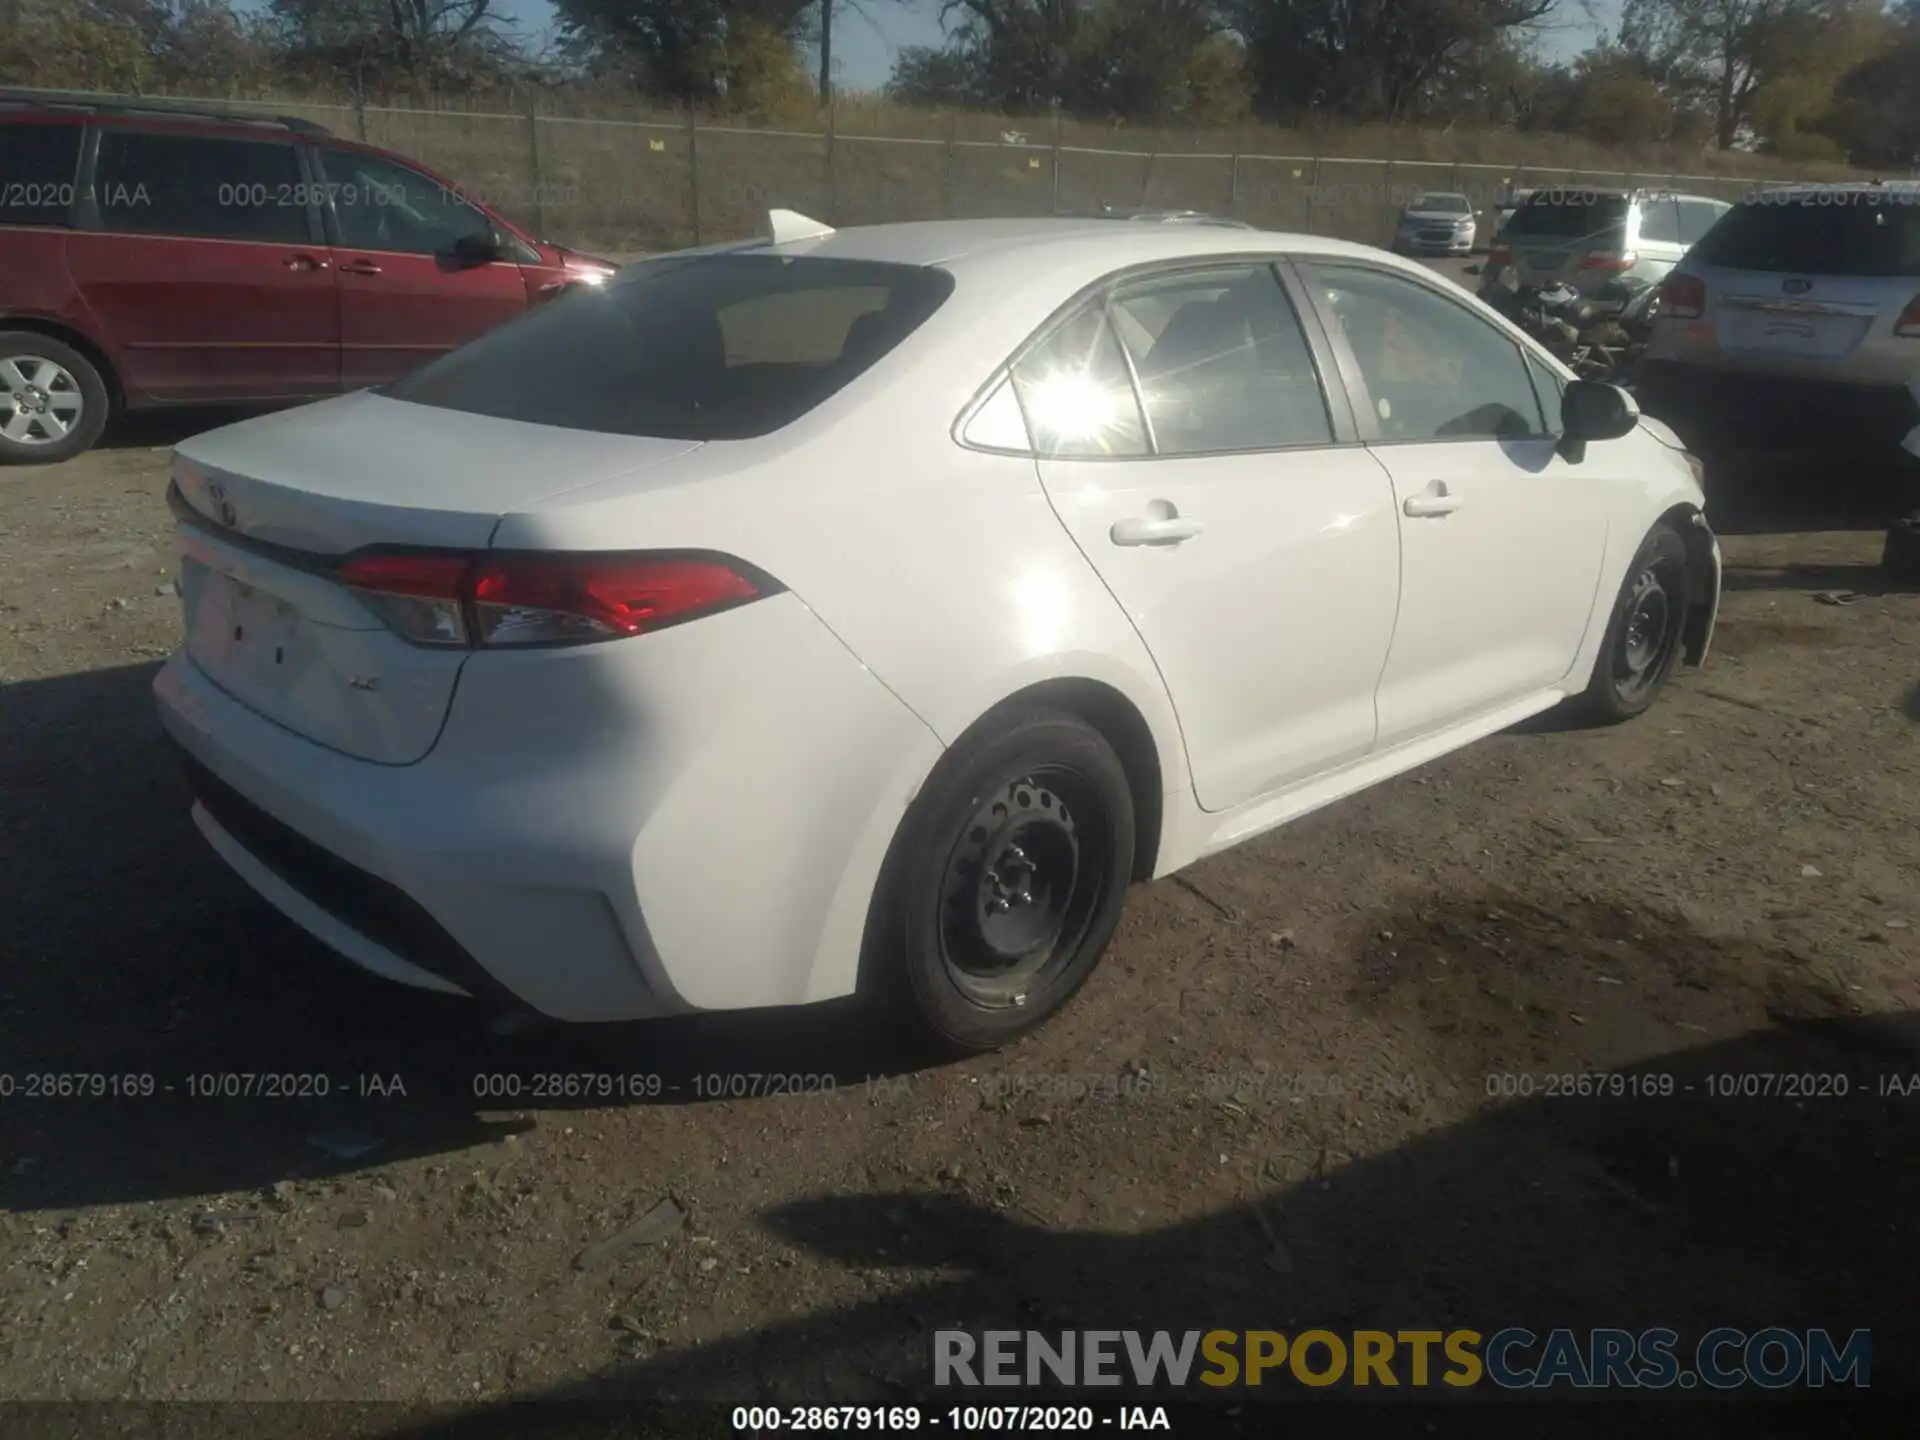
304	262
1435	500
1154	530
359	267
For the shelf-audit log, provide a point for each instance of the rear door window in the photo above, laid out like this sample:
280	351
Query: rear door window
1697	217
1571	215
200	186
699	347
1660	222
38	162
1834	233
1222	361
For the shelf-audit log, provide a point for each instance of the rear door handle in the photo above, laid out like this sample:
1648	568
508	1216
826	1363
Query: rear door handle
1435	500
1154	530
359	267
304	262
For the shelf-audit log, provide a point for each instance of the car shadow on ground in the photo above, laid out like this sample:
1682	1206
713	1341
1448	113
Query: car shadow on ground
1788	492
131	951
1683	1208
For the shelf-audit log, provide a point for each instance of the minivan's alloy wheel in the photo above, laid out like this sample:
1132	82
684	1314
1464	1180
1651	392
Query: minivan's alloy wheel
1646	633
1005	881
53	403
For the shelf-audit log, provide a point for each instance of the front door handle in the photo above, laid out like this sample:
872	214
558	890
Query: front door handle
1435	500
1167	529
304	262
359	267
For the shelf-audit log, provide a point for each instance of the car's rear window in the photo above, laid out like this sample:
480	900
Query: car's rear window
38	162
1570	215
706	347
1830	233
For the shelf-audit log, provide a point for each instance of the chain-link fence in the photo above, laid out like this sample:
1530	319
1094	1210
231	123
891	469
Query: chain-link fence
627	186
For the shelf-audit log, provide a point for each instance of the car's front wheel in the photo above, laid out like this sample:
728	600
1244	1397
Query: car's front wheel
1005	881
1646	633
53	401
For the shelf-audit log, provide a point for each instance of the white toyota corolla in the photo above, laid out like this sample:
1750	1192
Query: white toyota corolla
863	611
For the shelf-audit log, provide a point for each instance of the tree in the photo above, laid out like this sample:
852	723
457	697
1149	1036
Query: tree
1719	55
1366	59
446	43
684	50
1875	116
1120	58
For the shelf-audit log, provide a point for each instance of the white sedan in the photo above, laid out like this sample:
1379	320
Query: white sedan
861	612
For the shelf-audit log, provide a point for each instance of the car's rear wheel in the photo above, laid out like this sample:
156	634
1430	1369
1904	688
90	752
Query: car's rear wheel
53	401
1005	881
1646	634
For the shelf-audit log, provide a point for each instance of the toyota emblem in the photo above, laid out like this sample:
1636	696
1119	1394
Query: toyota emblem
222	506
1796	286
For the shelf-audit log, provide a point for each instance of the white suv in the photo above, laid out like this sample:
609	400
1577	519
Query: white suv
1597	241
1797	318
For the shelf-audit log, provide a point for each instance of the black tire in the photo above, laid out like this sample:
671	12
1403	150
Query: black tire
1646	633
53	401
1032	783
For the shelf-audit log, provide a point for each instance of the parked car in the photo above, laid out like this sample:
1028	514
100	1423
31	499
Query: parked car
1797	318
861	612
155	255
1436	224
1617	241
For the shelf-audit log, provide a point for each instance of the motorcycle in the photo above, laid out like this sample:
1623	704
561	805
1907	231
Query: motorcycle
1601	337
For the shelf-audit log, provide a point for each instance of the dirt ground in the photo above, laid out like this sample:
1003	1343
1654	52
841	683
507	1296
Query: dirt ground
1307	1088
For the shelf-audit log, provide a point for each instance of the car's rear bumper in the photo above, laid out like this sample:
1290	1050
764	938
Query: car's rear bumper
653	828
1717	409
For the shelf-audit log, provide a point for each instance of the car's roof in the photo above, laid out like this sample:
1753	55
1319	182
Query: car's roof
1071	243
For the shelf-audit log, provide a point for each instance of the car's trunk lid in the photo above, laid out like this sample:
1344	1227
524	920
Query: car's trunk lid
267	507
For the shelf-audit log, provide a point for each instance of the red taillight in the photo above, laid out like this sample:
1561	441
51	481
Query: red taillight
492	599
431	574
1908	324
1683	297
549	599
1607	260
1500	255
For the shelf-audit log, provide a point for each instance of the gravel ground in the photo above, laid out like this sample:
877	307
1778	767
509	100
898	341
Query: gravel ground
1306	1088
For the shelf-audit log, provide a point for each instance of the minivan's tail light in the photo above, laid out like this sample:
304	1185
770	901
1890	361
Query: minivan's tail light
1683	297
1500	255
1609	260
498	599
1908	325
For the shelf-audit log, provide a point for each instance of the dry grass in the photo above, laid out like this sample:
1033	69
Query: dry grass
608	172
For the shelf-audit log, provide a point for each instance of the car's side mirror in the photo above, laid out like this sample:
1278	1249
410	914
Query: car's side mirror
469	252
1593	410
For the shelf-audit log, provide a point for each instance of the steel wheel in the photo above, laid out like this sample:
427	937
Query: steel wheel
43	401
1656	609
1022	885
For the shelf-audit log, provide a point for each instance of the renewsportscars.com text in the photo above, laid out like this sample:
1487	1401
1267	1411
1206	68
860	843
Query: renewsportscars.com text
1772	1358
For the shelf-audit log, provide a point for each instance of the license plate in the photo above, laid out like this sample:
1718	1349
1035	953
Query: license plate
1818	336
235	630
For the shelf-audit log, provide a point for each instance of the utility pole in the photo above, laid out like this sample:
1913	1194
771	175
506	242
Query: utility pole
826	51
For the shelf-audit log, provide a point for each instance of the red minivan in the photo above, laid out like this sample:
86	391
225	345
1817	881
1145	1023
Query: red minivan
158	255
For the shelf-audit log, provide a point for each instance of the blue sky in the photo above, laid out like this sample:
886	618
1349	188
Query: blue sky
869	33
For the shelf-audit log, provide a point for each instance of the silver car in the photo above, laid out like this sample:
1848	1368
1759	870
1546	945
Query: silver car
1797	318
1436	224
1600	242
